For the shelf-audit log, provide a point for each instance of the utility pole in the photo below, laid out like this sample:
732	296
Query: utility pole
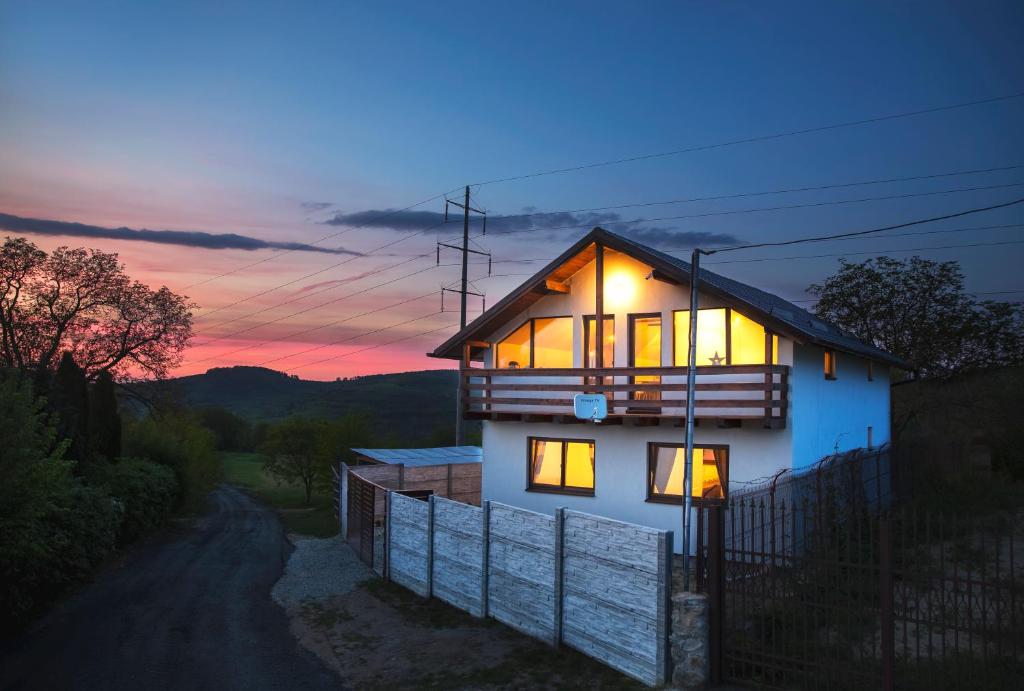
691	394
463	291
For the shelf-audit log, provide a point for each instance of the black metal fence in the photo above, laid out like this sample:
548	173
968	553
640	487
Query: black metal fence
812	589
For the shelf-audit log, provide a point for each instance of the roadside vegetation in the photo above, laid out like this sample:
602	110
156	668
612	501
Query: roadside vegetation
315	519
78	478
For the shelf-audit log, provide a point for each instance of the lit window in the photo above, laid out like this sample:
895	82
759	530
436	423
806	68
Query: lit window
711	343
552	342
514	351
742	343
590	338
561	465
542	342
830	364
747	340
666	464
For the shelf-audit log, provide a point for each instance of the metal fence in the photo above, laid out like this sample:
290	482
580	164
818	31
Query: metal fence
818	583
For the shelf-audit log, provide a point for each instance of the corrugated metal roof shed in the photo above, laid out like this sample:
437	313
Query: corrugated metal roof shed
440	455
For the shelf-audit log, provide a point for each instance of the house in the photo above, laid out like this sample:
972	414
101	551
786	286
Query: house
776	386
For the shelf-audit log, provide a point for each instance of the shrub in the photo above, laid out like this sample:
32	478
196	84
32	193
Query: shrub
53	530
147	494
177	440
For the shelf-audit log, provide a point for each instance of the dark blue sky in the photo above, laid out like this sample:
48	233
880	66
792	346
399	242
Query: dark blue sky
231	118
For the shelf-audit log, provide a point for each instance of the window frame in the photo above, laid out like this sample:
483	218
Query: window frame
558	489
677	500
587	320
533	333
830	364
771	339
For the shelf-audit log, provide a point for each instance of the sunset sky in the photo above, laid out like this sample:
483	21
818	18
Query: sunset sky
283	123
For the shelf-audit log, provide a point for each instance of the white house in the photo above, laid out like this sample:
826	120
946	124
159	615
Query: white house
776	387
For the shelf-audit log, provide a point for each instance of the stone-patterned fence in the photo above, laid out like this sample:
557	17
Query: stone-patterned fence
594	584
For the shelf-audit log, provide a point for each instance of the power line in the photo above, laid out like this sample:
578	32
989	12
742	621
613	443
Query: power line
739	195
325	289
324	270
349	338
278	255
379	345
312	329
772	208
1006	226
850	254
750	140
983	292
317	306
820	238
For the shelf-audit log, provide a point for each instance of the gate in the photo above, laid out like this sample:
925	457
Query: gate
834	596
362	495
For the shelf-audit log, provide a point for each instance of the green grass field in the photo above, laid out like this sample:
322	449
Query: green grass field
246	471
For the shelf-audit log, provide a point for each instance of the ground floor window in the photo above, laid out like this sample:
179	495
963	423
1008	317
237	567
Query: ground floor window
666	464
561	465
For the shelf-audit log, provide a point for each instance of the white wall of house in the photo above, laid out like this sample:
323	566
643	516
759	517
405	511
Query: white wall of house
620	466
826	415
822	412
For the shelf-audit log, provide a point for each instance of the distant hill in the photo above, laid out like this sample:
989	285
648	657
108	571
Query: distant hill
407	408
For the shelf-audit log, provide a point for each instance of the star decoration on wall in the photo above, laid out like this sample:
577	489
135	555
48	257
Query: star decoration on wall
717	359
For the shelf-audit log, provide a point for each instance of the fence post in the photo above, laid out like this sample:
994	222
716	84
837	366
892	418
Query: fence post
387	537
430	546
485	555
559	553
343	501
664	606
886	603
716	592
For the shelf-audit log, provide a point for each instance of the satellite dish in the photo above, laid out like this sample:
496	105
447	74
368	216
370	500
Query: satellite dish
590	406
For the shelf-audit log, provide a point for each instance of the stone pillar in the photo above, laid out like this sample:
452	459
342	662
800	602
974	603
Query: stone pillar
689	640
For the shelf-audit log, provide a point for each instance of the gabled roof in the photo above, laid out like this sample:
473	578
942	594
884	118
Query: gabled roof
779	315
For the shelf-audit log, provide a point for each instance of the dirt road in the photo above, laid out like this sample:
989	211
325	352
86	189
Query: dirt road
190	612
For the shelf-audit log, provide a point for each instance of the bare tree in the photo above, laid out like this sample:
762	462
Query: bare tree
82	301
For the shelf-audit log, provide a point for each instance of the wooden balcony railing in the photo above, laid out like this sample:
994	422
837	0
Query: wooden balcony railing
723	392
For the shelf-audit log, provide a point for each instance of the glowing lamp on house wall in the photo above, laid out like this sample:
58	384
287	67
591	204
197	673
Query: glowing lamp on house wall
619	289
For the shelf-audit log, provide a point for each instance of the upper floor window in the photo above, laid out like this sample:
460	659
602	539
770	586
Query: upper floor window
539	342
724	337
666	464
561	465
830	364
590	341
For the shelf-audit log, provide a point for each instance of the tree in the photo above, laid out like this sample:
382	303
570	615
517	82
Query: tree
82	301
104	418
299	451
233	433
69	400
917	310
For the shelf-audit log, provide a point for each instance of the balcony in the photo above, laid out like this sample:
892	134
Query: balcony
726	394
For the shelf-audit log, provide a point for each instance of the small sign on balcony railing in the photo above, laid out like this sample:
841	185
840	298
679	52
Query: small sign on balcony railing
590	406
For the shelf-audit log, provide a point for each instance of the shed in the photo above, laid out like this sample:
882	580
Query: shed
441	455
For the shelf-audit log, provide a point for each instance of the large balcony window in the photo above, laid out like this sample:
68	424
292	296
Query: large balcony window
540	342
724	337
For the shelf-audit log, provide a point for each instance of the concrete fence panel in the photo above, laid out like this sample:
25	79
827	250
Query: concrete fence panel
458	549
595	584
521	584
408	543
